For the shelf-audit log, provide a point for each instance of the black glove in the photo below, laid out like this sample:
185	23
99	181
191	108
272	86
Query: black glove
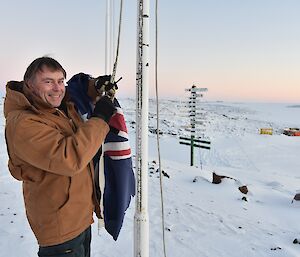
103	83
104	109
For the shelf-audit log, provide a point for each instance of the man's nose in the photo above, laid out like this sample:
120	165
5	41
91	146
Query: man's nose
56	86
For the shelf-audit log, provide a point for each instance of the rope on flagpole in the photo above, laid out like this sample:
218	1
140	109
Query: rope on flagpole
112	80
157	130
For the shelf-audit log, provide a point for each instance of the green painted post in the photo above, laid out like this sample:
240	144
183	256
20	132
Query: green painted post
192	150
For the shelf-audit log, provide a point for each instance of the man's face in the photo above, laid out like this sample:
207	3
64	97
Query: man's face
49	86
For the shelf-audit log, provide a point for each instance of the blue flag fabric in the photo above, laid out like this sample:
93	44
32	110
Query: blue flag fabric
77	90
119	177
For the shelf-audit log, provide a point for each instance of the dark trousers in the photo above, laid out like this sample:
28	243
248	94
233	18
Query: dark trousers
77	247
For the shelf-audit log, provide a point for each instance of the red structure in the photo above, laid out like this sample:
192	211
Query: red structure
292	132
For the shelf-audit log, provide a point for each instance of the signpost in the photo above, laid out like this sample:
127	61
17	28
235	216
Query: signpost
194	141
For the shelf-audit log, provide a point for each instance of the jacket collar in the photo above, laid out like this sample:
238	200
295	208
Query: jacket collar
19	97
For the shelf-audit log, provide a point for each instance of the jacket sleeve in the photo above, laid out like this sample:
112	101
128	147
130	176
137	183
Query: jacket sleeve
46	148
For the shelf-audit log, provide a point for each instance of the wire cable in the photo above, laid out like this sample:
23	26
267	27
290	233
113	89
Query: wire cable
112	80
157	129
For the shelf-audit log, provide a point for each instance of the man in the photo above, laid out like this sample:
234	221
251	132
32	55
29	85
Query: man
50	149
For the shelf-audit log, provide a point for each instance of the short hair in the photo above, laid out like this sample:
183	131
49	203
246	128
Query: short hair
38	65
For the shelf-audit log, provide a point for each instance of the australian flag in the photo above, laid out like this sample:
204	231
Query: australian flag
119	181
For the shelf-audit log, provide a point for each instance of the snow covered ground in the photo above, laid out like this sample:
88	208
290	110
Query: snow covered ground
202	218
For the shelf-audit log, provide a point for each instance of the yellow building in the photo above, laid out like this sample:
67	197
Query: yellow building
266	131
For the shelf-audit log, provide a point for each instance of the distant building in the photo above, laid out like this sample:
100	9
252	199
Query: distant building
292	132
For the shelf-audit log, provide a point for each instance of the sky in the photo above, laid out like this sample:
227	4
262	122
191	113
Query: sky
240	50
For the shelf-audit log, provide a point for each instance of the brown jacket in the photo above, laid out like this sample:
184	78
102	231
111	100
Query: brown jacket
51	153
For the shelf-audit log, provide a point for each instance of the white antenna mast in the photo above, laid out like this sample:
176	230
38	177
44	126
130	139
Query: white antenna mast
141	218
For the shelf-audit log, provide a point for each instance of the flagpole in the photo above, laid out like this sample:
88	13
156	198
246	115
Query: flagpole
141	218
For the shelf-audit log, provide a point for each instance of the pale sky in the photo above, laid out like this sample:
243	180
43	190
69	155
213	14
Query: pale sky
241	50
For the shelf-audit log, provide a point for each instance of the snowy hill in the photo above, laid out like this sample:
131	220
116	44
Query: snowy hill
202	218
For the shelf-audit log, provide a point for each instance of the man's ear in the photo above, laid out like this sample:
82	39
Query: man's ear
29	85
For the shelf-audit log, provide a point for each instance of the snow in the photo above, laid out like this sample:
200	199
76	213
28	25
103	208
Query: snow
201	218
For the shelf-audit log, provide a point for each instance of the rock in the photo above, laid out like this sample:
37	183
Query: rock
243	189
276	248
217	179
244	198
165	174
296	197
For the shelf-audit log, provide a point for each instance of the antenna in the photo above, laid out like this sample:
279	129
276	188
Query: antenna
141	217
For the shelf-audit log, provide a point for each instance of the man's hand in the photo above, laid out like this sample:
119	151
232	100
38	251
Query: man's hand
103	83
104	86
104	109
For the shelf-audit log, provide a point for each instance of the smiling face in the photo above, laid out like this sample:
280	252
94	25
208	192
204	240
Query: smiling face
49	86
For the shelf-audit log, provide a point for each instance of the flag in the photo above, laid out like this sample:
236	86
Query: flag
119	180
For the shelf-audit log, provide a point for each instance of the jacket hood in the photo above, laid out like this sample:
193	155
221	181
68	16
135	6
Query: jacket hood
15	98
19	97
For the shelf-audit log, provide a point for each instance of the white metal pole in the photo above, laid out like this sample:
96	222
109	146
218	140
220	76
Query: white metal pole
141	218
107	37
